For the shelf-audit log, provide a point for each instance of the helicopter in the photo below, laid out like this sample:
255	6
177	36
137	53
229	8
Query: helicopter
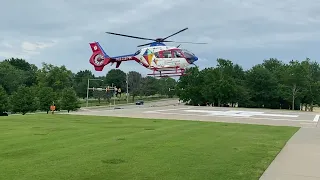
163	60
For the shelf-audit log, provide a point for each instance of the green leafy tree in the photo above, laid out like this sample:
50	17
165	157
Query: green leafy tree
167	86
293	82
55	77
149	86
262	85
47	97
24	100
134	83
310	94
190	87
30	70
10	77
99	94
116	77
81	83
69	100
171	84
3	100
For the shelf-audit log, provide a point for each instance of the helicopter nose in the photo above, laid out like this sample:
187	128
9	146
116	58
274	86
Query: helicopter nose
195	58
192	59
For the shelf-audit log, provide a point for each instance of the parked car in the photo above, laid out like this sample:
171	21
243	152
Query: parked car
3	114
140	102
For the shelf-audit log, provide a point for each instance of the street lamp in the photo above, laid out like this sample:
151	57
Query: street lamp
88	88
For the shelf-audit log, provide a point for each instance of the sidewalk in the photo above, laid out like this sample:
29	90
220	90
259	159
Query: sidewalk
299	159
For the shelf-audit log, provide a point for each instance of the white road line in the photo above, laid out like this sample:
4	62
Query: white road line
239	113
189	114
308	123
171	109
316	118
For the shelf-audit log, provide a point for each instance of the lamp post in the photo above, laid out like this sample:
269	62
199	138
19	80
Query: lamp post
88	88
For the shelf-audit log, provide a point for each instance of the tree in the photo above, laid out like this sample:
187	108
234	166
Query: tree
311	91
134	83
24	100
11	77
262	85
167	86
29	70
293	81
149	86
99	94
81	83
3	100
46	97
117	78
190	87
170	84
55	77
69	100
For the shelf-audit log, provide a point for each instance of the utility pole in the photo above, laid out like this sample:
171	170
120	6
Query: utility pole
89	88
88	91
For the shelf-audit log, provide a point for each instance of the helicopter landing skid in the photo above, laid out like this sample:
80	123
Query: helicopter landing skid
168	73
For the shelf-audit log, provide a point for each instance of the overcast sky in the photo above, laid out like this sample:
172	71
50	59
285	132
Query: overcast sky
244	31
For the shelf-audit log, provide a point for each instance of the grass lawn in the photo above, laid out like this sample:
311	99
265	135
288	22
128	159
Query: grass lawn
71	147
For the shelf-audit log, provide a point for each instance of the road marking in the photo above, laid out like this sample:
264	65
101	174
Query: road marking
240	113
316	118
171	109
238	117
308	123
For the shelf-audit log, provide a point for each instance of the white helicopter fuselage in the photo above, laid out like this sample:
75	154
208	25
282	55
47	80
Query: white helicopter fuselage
161	58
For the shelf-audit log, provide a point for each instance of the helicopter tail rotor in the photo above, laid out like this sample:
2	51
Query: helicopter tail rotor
99	57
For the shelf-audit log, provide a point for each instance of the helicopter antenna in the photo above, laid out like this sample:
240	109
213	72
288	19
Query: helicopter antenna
160	40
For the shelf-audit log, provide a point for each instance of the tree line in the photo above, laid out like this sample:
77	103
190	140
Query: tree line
271	84
24	87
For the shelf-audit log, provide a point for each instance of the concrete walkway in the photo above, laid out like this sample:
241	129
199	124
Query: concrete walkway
299	159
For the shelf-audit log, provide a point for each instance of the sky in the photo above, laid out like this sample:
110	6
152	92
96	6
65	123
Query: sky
244	31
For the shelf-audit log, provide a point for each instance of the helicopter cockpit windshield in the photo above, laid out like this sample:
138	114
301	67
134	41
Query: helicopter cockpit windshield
190	57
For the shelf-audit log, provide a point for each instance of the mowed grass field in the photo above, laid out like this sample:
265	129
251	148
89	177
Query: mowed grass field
73	147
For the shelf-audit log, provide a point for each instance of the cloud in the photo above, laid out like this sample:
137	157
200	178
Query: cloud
35	48
244	31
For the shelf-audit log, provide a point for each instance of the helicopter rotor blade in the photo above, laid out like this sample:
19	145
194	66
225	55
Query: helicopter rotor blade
144	44
175	33
187	42
131	36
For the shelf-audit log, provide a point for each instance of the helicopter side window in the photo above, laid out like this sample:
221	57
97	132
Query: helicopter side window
138	52
157	55
177	54
167	54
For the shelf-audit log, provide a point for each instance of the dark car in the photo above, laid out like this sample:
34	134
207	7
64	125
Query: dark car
140	102
3	114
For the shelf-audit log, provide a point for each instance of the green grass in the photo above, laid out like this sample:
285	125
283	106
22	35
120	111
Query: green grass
85	147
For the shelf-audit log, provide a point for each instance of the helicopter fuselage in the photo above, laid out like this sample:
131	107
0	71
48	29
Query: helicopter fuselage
163	58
